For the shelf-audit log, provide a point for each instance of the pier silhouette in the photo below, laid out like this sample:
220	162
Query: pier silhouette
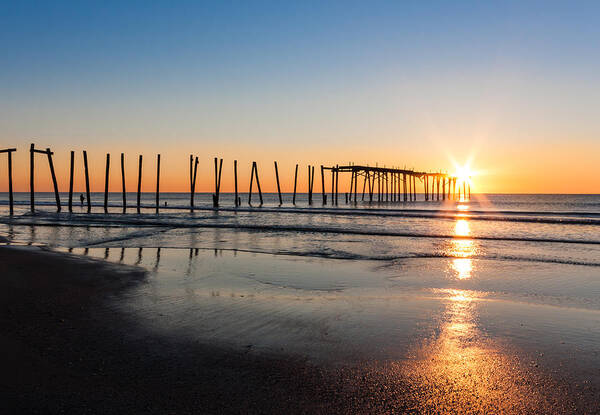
379	184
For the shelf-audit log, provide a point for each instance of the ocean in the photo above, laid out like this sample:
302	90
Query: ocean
454	291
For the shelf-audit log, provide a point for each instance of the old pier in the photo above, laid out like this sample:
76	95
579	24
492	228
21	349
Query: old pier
367	183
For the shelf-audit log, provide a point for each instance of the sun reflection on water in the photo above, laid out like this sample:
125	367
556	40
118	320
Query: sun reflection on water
462	250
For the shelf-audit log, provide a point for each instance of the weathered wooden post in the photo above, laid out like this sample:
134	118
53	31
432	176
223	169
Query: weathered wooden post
236	203
309	189
254	172
193	175
192	182
337	180
217	182
444	188
415	188
366	173
87	182
355	185
10	184
278	188
157	181
332	186
31	178
387	187
312	182
123	182
106	184
323	194
71	171
139	184
9	152
54	182
251	179
351	184
295	184
469	191
258	183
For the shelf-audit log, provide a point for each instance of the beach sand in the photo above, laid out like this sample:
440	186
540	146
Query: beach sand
66	348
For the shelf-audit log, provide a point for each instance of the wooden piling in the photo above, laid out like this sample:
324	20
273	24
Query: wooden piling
10	184
255	172
324	196
443	188
278	188
296	183
217	182
251	179
236	203
258	183
157	181
387	187
54	182
123	182
415	188
351	184
139	184
106	184
337	180
312	181
332	186
191	182
364	187
309	188
193	176
87	181
355	185
31	177
71	171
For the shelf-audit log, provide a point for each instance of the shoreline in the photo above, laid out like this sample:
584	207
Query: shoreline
66	349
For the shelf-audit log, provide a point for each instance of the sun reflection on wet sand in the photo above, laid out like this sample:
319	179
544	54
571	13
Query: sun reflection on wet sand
464	371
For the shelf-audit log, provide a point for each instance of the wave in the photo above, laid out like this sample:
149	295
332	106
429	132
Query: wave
303	229
559	218
339	210
343	255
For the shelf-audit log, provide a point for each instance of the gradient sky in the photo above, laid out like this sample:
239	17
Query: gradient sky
512	86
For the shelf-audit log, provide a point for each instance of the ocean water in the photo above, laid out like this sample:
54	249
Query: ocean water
468	285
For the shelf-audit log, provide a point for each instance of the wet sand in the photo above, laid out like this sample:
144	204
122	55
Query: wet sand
66	348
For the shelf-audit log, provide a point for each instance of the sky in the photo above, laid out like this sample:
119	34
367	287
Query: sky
510	88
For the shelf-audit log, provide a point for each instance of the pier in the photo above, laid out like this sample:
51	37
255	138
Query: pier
370	184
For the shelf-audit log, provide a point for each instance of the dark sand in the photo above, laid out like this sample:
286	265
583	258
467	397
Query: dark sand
66	350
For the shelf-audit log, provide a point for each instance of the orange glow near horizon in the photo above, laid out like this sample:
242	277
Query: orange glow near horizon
511	177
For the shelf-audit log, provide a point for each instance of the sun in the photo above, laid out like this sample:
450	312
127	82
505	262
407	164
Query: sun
464	174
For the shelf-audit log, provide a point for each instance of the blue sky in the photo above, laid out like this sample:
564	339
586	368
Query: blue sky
419	79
